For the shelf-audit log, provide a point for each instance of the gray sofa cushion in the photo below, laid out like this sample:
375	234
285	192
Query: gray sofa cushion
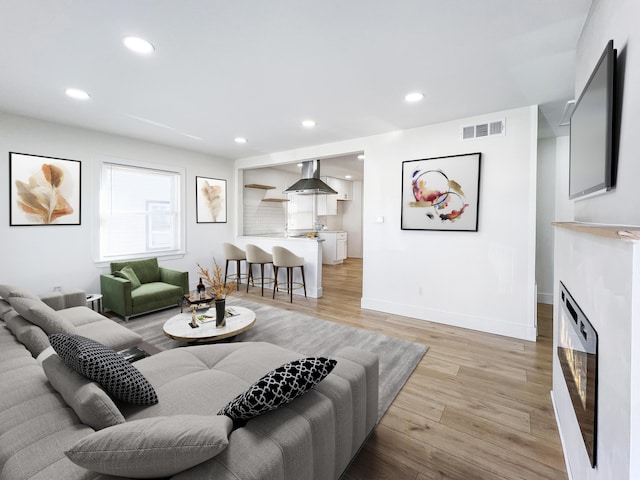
5	307
92	325
8	291
30	335
109	333
278	387
153	447
90	402
78	316
41	314
118	377
59	300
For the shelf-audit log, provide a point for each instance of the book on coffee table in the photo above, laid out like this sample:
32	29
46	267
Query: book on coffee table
132	354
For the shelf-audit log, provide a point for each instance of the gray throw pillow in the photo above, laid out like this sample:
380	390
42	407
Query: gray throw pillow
97	362
28	334
42	315
153	447
278	387
90	402
8	291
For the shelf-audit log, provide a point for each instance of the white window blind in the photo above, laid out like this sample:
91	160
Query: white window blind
140	211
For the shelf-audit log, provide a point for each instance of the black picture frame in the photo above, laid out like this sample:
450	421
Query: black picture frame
44	191
441	193
211	200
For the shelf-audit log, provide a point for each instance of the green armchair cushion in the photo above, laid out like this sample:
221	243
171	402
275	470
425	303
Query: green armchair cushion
146	270
129	274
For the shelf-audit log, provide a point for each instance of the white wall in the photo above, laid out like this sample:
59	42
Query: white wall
617	20
545	213
564	207
482	280
40	257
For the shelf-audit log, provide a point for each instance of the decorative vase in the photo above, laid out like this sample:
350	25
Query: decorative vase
220	308
194	322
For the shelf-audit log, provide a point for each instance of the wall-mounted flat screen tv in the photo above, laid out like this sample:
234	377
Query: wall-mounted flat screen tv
591	132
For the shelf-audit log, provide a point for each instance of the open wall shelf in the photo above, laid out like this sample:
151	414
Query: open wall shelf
257	185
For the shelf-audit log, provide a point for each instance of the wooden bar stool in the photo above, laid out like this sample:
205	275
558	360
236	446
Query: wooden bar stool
283	258
257	256
233	254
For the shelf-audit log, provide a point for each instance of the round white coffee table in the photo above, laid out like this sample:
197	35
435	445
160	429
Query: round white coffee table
179	327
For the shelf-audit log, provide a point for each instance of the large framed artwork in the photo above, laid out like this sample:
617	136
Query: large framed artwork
211	200
441	193
43	190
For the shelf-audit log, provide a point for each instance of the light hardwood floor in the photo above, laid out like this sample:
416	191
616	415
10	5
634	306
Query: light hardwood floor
476	407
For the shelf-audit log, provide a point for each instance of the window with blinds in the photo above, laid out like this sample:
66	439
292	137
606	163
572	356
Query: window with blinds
140	211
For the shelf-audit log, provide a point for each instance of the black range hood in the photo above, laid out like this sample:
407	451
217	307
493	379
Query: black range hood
310	183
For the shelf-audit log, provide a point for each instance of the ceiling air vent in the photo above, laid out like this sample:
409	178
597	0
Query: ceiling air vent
481	130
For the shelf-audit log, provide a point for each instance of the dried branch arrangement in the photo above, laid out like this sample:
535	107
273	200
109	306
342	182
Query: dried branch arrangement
215	280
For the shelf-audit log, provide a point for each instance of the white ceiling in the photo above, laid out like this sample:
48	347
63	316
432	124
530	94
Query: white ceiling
256	68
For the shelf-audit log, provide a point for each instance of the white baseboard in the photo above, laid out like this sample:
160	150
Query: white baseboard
545	298
488	325
555	414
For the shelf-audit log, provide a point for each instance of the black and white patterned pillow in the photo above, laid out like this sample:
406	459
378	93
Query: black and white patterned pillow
279	387
103	365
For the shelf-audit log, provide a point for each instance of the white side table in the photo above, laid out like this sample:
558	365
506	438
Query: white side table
94	301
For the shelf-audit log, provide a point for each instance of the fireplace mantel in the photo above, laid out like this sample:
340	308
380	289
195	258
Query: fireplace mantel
625	232
600	265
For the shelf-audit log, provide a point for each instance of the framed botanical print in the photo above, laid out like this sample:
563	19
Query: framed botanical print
441	193
43	190
211	200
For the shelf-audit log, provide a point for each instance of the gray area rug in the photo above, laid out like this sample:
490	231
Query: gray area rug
309	336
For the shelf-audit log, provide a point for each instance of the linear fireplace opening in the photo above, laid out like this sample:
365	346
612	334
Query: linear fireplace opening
578	355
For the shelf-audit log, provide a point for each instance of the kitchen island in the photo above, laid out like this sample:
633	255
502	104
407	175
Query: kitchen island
308	248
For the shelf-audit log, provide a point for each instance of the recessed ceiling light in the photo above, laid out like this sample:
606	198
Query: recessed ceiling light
299	165
308	123
361	156
240	140
138	45
348	177
414	97
77	94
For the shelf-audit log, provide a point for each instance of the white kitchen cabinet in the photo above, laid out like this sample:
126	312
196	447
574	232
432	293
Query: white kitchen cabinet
327	204
334	247
343	187
341	247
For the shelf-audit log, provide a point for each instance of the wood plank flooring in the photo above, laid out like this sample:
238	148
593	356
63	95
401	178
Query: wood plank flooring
477	407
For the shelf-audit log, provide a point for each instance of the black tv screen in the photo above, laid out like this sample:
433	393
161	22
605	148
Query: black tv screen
591	131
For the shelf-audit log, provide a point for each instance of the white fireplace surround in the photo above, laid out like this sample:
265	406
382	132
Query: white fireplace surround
600	266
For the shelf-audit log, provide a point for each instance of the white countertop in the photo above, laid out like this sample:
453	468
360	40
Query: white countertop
282	236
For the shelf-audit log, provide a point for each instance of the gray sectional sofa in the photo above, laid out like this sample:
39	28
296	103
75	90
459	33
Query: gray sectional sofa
31	318
314	436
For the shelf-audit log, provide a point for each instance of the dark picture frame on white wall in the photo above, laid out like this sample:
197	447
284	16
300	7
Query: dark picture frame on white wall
44	190
441	193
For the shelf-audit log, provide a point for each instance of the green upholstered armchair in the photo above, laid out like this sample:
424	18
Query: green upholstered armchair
141	286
